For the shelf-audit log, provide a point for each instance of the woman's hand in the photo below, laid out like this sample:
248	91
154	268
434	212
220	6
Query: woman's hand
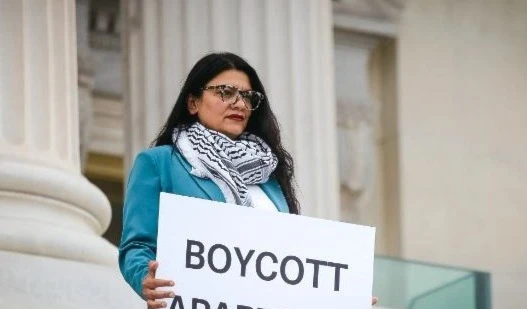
374	300
150	283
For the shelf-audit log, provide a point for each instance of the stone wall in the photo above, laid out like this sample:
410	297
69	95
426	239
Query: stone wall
463	105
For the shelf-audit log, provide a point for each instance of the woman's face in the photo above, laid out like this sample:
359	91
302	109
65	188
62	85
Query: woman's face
214	114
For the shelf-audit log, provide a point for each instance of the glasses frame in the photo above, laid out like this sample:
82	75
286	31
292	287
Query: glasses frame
239	94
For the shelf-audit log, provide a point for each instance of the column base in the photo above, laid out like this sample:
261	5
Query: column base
31	281
51	212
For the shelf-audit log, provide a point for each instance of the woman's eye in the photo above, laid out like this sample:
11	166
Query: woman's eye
228	92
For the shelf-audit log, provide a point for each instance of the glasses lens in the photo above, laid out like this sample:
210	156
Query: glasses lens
252	99
229	94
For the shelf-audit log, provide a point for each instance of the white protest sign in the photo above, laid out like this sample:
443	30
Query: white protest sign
224	256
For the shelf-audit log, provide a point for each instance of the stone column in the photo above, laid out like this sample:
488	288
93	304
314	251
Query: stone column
290	44
51	217
85	78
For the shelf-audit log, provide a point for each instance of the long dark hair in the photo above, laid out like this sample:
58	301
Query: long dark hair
262	122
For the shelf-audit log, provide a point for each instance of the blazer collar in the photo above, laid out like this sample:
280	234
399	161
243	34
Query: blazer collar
207	185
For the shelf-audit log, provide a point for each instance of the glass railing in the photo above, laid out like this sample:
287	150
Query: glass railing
402	284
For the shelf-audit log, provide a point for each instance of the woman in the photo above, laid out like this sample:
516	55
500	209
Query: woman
221	142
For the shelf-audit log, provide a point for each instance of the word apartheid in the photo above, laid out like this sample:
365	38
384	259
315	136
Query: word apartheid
197	303
197	258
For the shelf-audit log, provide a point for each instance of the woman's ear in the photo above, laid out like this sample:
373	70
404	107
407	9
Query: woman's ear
192	105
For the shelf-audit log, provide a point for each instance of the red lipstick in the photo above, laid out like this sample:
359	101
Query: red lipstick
236	117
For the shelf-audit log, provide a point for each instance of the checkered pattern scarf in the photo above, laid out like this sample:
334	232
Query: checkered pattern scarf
230	164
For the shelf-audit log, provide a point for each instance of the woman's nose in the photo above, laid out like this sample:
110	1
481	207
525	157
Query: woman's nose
239	103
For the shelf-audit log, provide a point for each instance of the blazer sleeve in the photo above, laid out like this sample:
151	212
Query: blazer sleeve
140	216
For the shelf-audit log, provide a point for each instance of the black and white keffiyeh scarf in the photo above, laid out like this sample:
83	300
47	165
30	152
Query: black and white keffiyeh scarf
230	164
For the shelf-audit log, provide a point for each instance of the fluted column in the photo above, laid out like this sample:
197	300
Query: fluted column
290	44
51	217
42	193
85	78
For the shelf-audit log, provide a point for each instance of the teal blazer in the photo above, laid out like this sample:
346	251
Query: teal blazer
156	170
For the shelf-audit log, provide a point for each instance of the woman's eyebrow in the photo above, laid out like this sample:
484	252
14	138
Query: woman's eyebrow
237	86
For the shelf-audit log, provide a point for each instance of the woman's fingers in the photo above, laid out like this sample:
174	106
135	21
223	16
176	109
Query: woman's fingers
152	268
150	280
154	294
152	283
152	304
374	300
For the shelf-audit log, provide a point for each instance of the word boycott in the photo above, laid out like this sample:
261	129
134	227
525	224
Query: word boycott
196	258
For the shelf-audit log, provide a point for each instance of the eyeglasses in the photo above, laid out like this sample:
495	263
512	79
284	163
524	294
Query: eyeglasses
231	94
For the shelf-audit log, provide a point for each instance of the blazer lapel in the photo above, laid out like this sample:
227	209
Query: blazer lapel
208	186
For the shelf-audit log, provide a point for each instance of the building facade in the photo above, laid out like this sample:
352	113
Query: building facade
404	115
